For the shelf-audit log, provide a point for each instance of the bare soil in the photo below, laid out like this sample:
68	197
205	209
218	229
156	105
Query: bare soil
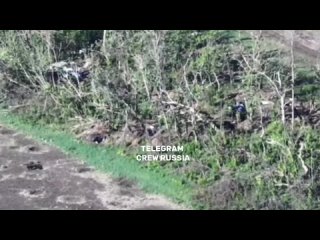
306	43
37	176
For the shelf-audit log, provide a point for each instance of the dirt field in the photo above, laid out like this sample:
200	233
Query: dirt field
306	42
36	176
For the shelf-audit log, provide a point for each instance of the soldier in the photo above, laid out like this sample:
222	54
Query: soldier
238	111
241	112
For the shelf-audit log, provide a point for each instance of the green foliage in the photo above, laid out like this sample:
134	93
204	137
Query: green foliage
74	40
182	80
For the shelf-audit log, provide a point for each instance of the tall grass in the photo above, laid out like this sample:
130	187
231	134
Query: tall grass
181	82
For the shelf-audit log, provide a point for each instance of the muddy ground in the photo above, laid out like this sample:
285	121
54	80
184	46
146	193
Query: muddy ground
37	176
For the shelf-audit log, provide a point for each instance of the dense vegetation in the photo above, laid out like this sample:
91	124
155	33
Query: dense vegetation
180	88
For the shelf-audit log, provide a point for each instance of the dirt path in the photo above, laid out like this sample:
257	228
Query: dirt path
36	176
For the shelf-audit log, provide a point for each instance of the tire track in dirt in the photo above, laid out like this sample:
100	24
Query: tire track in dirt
36	176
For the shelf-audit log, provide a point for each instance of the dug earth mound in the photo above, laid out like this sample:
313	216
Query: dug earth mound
36	176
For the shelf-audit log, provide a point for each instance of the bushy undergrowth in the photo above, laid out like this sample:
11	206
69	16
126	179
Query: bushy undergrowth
182	83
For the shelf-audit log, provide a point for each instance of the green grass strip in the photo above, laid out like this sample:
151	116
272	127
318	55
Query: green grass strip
109	160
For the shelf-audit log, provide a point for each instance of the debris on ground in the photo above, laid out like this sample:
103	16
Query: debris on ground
34	165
